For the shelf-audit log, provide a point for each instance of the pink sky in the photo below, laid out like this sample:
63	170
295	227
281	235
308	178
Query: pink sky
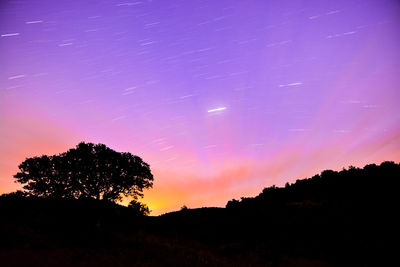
221	98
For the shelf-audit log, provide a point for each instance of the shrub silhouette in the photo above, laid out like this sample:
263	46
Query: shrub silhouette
139	208
87	171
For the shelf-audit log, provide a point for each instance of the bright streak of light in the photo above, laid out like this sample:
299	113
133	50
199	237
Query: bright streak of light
216	109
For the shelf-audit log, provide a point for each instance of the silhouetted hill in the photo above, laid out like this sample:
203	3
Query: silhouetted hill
352	187
339	217
332	219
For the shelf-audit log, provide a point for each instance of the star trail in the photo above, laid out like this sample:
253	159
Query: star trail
221	98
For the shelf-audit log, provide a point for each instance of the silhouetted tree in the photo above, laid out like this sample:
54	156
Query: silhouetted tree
139	208
87	171
232	203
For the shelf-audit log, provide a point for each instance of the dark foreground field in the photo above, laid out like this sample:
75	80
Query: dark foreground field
345	218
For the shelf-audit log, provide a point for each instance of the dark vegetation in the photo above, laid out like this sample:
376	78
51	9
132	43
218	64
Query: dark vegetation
87	171
346	218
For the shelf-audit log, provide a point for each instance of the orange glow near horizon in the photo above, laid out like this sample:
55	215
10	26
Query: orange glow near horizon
294	90
175	187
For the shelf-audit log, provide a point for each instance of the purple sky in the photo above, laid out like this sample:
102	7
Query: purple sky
221	98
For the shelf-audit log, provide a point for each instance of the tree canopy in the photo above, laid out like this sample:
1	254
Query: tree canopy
87	171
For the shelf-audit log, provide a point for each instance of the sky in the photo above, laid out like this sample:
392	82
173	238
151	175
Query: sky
221	98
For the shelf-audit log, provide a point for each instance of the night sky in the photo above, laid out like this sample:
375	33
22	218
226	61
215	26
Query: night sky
221	98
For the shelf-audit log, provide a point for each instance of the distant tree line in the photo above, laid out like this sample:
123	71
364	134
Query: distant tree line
348	185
